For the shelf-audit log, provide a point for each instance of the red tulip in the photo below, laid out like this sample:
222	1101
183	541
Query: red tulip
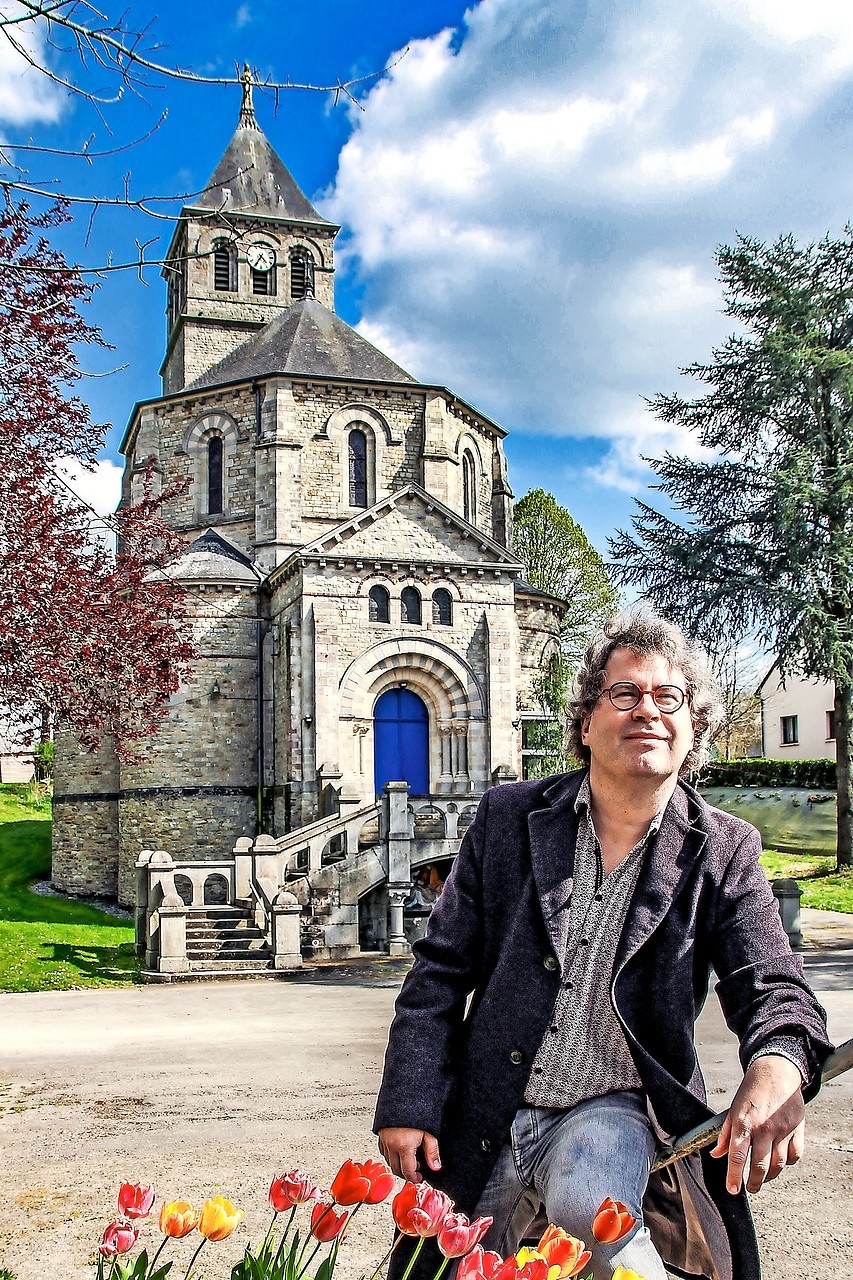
119	1237
479	1264
367	1183
134	1200
612	1221
292	1188
419	1210
533	1269
326	1225
457	1236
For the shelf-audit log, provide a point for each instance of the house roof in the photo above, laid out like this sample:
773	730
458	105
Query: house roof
212	558
306	339
252	178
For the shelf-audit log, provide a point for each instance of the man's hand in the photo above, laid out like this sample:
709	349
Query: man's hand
400	1149
765	1124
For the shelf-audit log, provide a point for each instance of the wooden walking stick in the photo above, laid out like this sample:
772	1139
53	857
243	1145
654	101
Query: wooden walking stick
704	1135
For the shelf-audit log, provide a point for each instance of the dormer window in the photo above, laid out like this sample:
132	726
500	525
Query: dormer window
224	267
301	275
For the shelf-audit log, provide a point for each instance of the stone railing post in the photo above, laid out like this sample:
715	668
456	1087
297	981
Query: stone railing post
503	774
242	866
140	922
286	941
167	923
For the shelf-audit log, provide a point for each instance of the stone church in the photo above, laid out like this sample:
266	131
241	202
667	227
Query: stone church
360	616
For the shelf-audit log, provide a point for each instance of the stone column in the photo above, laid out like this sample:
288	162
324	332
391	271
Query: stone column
397	943
399	863
286	942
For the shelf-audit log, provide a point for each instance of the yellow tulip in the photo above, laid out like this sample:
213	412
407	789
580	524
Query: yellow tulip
526	1255
625	1273
218	1218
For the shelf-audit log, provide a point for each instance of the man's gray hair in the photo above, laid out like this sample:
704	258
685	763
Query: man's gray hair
643	632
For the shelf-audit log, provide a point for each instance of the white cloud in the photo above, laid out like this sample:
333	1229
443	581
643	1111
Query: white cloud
534	201
99	489
26	95
243	16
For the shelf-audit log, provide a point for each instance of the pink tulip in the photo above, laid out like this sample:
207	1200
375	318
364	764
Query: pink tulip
134	1200
292	1188
458	1236
420	1210
119	1237
479	1264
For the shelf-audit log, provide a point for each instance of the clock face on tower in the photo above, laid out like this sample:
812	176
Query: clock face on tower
261	257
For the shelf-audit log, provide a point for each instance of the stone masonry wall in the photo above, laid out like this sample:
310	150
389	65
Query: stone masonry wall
85	819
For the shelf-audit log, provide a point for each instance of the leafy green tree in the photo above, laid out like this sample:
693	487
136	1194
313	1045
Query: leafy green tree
760	532
559	558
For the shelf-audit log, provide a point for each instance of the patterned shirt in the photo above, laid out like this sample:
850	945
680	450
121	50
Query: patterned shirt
584	1053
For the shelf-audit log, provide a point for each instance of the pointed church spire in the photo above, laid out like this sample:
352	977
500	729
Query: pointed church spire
247	109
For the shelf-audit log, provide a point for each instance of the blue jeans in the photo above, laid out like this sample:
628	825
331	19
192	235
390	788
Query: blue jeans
565	1163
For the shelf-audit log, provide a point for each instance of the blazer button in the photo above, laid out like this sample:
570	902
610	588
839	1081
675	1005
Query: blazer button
516	1057
485	1144
550	963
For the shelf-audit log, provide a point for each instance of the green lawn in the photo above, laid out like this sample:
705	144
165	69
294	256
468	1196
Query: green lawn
820	884
50	944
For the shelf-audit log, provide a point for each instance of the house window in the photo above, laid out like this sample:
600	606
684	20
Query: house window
442	608
301	276
790	731
469	488
379	605
223	267
214	476
357	469
830	726
410	605
541	747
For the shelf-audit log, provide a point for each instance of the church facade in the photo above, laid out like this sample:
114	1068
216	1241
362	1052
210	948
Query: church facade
359	614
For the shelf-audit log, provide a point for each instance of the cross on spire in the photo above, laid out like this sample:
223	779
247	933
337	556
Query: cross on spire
247	110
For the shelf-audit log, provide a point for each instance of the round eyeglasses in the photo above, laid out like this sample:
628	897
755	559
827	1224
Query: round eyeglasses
625	695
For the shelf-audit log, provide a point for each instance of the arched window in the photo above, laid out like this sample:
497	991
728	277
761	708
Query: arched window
442	607
214	476
357	469
223	267
410	605
301	275
379	605
469	488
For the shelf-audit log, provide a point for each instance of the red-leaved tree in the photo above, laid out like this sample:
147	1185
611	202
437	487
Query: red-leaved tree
98	639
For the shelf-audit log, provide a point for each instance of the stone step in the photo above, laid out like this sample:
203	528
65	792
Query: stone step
223	917
212	968
242	930
256	947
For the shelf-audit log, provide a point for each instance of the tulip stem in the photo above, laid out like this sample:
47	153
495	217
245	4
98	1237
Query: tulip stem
160	1249
301	1272
193	1258
284	1236
413	1259
441	1269
375	1274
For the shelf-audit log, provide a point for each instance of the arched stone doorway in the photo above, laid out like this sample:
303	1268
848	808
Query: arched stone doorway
401	741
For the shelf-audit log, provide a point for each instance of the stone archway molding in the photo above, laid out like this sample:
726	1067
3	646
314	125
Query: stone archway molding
429	668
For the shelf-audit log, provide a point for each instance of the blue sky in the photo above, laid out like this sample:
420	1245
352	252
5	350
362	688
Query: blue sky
531	198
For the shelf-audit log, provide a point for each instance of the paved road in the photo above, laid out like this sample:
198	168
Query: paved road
211	1088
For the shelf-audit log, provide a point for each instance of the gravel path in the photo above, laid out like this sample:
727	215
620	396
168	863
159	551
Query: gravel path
211	1088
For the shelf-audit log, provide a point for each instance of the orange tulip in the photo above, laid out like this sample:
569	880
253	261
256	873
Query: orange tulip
178	1218
326	1225
612	1221
367	1183
218	1218
559	1249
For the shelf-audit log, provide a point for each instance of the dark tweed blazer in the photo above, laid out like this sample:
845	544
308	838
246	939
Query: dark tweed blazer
495	936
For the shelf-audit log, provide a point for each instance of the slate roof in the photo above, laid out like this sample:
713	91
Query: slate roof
306	339
252	178
211	558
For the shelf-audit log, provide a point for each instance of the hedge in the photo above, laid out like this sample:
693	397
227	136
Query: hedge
769	773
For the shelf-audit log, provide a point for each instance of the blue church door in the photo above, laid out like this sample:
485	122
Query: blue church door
401	741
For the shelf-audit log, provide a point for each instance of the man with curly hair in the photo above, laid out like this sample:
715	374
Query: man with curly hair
543	1041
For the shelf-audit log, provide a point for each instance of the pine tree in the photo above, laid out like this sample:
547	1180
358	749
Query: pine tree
760	534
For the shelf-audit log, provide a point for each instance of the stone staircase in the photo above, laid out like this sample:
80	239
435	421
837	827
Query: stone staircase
223	940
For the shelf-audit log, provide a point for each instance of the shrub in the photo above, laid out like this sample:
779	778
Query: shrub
769	773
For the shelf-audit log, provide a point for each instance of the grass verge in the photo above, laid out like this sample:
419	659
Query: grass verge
50	944
820	884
